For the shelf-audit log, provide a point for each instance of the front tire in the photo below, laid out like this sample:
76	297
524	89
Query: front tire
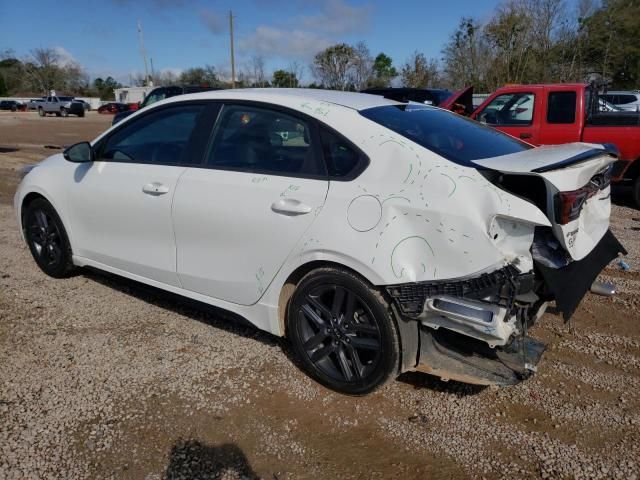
63	112
47	239
41	112
343	332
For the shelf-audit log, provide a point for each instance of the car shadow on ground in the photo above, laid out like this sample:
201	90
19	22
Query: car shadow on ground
195	459
424	381
238	325
8	149
202	312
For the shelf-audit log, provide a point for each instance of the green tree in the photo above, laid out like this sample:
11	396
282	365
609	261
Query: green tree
3	86
383	71
106	87
284	79
611	42
333	66
200	76
419	72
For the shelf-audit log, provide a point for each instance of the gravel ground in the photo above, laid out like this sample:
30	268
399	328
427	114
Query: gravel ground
105	378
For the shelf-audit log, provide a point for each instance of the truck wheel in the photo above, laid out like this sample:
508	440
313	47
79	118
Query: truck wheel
41	112
63	112
636	191
81	114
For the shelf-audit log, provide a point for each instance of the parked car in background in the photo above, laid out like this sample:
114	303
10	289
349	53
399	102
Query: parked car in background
378	236
34	103
61	106
629	101
113	108
86	105
160	93
552	114
428	96
12	105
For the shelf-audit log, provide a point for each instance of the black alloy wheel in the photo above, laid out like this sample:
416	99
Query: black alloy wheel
47	239
342	331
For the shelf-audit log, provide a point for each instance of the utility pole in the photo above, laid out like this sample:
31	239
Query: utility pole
233	60
153	73
144	53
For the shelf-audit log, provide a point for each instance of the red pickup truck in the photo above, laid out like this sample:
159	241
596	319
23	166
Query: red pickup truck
560	113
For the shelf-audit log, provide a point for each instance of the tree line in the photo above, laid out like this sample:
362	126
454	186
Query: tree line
524	41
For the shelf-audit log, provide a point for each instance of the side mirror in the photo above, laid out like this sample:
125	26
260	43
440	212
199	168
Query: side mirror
79	153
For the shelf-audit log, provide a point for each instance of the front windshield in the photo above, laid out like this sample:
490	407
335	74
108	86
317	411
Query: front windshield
154	97
452	136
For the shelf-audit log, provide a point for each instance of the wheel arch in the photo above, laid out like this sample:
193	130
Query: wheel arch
293	278
633	171
29	197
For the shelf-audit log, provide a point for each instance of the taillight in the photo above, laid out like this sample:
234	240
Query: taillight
568	205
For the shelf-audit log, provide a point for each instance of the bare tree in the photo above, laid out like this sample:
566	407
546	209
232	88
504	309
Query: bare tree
256	65
296	69
362	66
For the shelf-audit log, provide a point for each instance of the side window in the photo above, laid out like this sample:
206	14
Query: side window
341	158
625	99
252	139
561	107
509	109
160	137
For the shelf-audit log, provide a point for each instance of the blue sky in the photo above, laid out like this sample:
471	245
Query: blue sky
178	34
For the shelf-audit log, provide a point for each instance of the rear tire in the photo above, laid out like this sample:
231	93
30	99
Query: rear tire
63	112
343	332
635	192
47	239
81	114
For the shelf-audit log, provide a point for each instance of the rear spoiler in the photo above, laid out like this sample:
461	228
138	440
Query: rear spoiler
609	149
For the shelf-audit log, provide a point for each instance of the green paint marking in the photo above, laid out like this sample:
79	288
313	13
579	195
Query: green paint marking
455	185
392	141
409	174
391	198
400	243
466	176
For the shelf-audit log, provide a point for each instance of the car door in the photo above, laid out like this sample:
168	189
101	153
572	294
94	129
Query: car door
237	220
120	204
512	113
561	123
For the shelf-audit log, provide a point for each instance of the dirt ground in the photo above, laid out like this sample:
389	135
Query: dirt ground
104	378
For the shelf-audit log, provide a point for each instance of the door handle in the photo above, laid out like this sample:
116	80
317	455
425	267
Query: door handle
290	206
526	135
155	188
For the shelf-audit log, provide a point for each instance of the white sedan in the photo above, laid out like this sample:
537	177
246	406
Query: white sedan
378	236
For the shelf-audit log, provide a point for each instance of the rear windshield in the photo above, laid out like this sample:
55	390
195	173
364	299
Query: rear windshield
452	136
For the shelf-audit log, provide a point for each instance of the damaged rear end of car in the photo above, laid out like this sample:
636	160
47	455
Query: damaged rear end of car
475	329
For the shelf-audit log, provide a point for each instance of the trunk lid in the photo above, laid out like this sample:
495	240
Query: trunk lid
461	102
577	178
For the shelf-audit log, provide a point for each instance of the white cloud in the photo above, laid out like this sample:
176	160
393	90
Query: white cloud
65	58
302	36
338	18
271	41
